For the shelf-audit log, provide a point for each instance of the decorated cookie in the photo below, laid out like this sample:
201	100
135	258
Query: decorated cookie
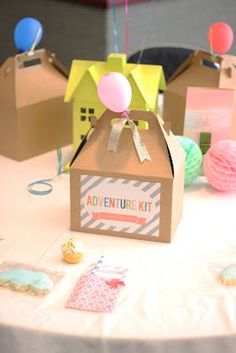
26	280
73	251
228	275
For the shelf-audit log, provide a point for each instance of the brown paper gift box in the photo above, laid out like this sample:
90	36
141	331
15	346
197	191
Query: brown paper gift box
115	194
198	71
33	116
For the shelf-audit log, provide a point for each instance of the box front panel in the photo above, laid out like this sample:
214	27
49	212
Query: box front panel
44	127
209	111
120	205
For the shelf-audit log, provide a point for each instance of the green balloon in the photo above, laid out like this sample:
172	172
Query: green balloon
193	159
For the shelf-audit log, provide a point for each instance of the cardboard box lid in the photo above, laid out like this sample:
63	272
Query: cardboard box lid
196	71
147	79
165	151
38	77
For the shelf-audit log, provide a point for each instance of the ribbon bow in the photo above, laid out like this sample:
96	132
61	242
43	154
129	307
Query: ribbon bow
115	136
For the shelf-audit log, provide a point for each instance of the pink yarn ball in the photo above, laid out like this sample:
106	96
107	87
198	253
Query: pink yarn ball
115	92
220	165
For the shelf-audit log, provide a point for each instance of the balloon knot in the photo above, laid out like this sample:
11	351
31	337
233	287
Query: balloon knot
124	113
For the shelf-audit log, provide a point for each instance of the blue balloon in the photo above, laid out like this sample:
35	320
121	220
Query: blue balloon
25	33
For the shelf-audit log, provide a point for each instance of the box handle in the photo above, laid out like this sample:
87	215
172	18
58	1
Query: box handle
31	62
37	58
207	59
141	124
146	117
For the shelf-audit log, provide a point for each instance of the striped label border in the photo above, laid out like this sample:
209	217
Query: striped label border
127	222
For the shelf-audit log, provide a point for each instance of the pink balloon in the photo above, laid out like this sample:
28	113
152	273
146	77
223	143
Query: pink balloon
220	37
115	92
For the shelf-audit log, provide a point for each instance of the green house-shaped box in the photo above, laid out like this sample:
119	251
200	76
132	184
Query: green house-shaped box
145	80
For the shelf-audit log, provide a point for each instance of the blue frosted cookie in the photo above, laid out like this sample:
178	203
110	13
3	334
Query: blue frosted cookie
228	275
26	280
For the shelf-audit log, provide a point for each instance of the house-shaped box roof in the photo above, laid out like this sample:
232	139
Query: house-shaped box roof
147	79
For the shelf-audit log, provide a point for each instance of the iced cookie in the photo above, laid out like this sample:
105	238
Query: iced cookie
26	280
73	251
228	275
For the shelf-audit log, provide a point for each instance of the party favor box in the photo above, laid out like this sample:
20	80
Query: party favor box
33	116
200	99
115	194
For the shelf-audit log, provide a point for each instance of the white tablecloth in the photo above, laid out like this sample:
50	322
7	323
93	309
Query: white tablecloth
172	301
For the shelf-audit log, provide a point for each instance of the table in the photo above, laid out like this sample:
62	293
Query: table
172	301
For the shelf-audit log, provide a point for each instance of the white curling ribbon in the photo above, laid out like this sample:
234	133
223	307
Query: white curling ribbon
115	136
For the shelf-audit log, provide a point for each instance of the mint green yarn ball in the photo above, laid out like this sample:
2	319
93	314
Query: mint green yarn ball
193	161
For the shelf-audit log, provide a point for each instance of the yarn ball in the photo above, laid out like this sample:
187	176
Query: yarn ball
193	159
220	165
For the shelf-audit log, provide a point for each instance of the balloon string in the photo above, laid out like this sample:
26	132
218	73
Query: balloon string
59	162
144	40
46	183
211	38
126	27
35	42
211	46
114	26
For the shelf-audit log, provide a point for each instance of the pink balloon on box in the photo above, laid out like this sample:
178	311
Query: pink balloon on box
115	92
220	165
220	37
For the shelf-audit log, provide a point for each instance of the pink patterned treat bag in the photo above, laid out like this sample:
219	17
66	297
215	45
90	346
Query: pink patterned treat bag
98	289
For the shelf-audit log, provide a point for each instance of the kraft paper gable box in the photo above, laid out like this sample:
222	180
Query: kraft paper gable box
115	194
33	116
198	71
